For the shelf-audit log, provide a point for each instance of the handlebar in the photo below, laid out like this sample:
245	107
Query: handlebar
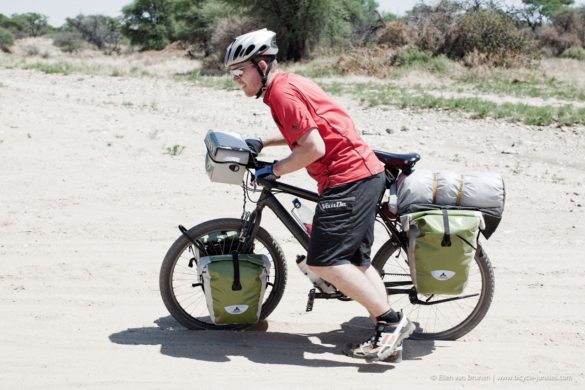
254	163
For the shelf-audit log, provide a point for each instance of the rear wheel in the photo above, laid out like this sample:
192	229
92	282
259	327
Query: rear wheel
447	320
180	286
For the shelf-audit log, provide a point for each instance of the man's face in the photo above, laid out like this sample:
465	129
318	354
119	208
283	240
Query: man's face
247	76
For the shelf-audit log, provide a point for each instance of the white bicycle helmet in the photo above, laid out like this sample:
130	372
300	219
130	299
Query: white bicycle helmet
251	45
248	47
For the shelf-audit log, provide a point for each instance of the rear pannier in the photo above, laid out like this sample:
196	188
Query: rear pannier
427	190
441	248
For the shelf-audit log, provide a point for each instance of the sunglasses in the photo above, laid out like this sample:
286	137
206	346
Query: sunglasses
238	72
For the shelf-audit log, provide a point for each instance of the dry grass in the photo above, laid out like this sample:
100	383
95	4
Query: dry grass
166	63
552	91
567	70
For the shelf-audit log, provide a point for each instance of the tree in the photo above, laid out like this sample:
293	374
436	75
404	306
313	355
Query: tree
6	40
149	23
195	20
536	12
300	24
31	23
102	31
363	19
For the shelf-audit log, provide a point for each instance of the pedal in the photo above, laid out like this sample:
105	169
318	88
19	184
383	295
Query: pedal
311	299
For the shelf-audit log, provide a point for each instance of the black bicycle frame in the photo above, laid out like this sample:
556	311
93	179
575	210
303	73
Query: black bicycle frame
267	199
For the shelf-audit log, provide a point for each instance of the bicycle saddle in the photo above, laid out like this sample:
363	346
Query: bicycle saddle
404	162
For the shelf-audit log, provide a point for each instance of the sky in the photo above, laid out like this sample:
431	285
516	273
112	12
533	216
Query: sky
58	10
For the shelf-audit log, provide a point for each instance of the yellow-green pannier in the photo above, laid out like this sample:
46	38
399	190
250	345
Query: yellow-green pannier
441	247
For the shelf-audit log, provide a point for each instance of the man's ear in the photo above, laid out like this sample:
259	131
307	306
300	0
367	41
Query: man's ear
263	66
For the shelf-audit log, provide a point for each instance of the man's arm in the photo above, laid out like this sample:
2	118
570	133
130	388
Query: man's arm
274	141
309	148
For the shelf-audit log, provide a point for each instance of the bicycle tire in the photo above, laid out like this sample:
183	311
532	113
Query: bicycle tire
175	254
413	311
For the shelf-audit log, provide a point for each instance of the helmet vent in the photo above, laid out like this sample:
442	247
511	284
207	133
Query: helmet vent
237	52
249	49
262	48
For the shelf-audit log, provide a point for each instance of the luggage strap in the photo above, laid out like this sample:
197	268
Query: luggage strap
447	236
459	193
236	285
434	187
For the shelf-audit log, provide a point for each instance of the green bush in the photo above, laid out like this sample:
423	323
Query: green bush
68	41
414	55
6	40
577	53
415	58
489	33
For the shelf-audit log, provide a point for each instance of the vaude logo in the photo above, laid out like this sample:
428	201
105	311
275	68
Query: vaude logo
236	309
441	274
333	205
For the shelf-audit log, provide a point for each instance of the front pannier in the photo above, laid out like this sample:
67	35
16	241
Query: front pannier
234	286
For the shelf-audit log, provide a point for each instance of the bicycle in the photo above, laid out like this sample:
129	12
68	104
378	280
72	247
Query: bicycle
436	317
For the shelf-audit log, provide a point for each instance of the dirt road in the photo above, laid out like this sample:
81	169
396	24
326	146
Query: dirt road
91	195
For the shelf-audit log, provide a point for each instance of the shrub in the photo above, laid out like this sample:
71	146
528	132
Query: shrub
6	40
430	37
227	28
102	31
31	50
212	65
375	61
69	42
577	53
571	22
489	33
433	23
396	34
552	41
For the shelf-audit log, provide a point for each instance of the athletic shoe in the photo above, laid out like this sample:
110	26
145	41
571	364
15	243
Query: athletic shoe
359	351
386	343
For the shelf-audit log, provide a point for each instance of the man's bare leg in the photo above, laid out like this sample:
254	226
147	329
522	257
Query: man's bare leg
358	284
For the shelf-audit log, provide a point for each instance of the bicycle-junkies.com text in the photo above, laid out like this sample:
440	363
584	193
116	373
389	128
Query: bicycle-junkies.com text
501	378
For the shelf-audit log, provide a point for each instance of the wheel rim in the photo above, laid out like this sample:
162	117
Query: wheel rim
440	320
186	287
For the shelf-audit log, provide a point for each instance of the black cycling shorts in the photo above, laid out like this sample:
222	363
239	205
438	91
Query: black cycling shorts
343	226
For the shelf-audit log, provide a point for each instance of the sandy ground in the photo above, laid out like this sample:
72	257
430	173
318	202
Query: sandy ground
90	200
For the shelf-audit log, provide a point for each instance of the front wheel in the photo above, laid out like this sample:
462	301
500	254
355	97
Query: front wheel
180	286
437	317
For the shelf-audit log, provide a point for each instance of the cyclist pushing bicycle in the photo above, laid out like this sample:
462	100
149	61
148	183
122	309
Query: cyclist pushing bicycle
350	179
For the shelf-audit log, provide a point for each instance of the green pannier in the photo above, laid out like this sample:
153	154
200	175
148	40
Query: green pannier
441	247
234	286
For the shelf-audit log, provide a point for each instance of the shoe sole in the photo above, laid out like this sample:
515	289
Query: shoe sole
395	357
393	342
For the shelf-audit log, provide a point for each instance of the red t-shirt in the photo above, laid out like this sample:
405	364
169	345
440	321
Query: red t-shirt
298	105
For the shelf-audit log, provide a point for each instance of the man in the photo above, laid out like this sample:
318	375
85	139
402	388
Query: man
350	181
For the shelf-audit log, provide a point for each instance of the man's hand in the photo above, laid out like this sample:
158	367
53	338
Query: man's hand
266	173
255	144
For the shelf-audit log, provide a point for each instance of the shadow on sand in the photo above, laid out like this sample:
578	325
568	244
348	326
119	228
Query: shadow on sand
261	346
